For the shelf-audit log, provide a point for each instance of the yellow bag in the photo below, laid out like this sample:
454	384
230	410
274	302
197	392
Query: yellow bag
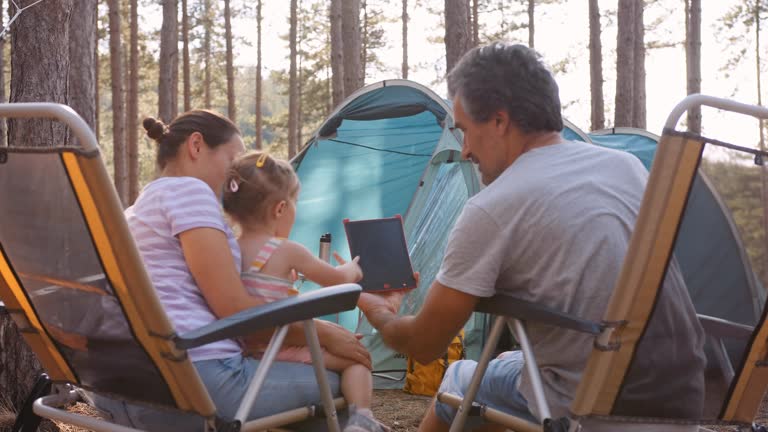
425	379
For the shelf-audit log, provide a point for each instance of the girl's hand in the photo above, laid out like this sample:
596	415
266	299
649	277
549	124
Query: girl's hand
352	268
345	344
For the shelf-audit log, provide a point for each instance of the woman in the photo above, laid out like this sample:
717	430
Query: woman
194	263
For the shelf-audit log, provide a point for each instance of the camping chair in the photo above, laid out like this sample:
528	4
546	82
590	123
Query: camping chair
735	375
74	283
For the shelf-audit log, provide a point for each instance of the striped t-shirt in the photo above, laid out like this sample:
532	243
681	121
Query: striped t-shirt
167	207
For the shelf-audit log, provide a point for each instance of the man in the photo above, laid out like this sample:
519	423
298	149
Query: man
552	226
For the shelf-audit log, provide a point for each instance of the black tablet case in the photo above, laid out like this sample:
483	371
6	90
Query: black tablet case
381	246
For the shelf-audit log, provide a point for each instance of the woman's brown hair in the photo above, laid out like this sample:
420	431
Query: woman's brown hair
214	127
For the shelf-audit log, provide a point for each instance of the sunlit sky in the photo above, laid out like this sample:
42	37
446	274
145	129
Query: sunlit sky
561	32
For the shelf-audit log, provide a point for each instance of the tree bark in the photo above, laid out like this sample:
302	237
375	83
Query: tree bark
638	78
40	65
96	75
118	102
404	68
207	24
132	118
337	53
82	46
3	127
531	21
293	94
475	23
364	41
693	59
596	67
457	33
258	77
185	56
350	29
169	62
625	59
231	107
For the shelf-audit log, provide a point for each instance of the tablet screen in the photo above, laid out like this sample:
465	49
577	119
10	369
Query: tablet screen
380	244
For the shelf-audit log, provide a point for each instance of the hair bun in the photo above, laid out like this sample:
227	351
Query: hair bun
155	128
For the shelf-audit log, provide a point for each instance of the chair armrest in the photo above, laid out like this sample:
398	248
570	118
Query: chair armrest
278	313
721	328
532	312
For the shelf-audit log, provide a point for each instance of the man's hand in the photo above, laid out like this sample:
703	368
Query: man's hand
380	305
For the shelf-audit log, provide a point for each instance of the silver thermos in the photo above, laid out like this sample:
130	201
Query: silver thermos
325	247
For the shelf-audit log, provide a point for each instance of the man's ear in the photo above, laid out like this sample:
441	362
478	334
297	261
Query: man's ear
502	121
194	145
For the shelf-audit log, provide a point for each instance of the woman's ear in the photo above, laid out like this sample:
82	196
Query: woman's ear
194	145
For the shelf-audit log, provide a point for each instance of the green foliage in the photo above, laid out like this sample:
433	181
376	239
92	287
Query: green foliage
737	27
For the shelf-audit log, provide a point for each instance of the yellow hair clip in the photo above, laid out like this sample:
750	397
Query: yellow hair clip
261	160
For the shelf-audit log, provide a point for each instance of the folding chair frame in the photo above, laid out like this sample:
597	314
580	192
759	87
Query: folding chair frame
277	315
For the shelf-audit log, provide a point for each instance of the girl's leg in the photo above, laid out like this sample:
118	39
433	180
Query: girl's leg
357	386
356	380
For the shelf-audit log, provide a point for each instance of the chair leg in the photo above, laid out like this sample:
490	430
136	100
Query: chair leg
518	328
27	420
310	332
482	364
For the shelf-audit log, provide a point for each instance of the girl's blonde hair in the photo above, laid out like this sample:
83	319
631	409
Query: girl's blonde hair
255	182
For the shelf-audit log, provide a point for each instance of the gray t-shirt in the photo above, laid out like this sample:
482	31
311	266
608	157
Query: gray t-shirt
553	228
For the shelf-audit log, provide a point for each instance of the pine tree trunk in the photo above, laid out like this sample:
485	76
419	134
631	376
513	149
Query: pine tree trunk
625	58
638	79
457	32
118	102
337	53
531	21
231	108
96	75
259	134
207	24
364	42
475	23
82	41
404	68
18	365
596	67
169	62
40	58
132	118
693	58
185	56
350	29
3	127
293	84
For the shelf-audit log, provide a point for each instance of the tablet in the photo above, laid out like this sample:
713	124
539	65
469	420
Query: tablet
380	244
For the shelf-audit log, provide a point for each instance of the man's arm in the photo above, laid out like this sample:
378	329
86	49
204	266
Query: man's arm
426	335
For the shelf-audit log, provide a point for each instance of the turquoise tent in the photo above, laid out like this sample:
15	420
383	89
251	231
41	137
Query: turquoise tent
388	149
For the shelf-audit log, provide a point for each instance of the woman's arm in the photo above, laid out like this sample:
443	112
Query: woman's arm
210	260
319	271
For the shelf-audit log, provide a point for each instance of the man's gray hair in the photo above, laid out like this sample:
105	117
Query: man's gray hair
511	78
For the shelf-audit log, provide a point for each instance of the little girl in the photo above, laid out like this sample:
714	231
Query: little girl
260	196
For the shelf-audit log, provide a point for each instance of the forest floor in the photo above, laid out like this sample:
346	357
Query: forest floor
400	411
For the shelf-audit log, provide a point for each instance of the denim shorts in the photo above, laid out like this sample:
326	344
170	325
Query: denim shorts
288	386
498	389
